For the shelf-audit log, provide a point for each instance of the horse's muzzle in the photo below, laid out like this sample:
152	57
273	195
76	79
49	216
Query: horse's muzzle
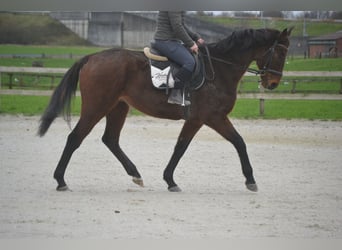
273	85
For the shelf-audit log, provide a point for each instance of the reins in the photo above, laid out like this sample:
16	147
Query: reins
210	64
250	70
211	58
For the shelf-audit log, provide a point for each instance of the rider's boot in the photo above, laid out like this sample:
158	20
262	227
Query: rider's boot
180	93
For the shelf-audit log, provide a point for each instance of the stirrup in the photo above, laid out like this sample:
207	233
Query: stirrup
185	102
177	96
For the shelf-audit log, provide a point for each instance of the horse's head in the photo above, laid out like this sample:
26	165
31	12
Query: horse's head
271	63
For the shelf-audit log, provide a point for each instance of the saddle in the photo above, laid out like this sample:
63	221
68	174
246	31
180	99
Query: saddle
163	70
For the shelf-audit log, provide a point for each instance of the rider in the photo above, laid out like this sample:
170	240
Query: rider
176	41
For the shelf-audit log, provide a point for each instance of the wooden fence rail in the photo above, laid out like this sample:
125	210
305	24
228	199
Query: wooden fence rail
262	96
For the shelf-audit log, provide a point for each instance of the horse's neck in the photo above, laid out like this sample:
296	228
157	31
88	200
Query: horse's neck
230	73
243	60
246	58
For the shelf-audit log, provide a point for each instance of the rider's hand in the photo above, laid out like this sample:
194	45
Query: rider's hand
200	41
194	48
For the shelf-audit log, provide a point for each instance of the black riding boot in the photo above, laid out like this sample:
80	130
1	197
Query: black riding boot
180	93
180	97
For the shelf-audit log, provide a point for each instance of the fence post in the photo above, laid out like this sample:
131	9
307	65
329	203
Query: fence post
122	27
52	82
294	83
262	102
262	107
10	80
240	86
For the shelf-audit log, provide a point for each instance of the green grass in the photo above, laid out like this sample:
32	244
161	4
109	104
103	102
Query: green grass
330	85
27	62
48	50
274	109
292	64
244	108
29	82
72	54
310	64
325	64
30	105
289	109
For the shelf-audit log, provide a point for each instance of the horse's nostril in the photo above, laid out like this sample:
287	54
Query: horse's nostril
273	85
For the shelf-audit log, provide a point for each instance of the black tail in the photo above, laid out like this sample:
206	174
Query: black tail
61	97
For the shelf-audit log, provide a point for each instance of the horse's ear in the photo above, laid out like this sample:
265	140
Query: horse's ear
287	31
290	30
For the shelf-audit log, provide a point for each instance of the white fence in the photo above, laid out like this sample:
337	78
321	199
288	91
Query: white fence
262	96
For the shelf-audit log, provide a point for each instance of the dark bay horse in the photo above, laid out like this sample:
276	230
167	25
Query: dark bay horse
114	79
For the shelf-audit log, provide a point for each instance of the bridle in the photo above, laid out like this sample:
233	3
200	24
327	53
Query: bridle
265	69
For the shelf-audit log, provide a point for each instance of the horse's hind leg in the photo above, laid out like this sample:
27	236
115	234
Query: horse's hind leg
75	138
187	134
115	121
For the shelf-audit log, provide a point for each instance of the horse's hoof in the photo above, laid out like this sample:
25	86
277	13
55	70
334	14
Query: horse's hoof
175	189
252	187
63	188
138	181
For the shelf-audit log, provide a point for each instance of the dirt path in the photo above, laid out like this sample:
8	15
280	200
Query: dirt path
297	166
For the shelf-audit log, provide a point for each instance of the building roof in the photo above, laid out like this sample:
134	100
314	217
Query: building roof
333	36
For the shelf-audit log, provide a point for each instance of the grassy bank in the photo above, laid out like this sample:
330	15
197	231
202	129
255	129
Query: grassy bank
21	28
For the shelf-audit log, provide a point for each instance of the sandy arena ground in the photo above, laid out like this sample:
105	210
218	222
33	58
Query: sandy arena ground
297	166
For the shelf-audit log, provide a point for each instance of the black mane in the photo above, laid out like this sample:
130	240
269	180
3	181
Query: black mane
241	40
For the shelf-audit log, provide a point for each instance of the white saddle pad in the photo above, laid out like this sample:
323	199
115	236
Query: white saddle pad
161	78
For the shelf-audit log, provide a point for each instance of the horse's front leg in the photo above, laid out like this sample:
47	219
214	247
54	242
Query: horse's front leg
225	128
188	132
